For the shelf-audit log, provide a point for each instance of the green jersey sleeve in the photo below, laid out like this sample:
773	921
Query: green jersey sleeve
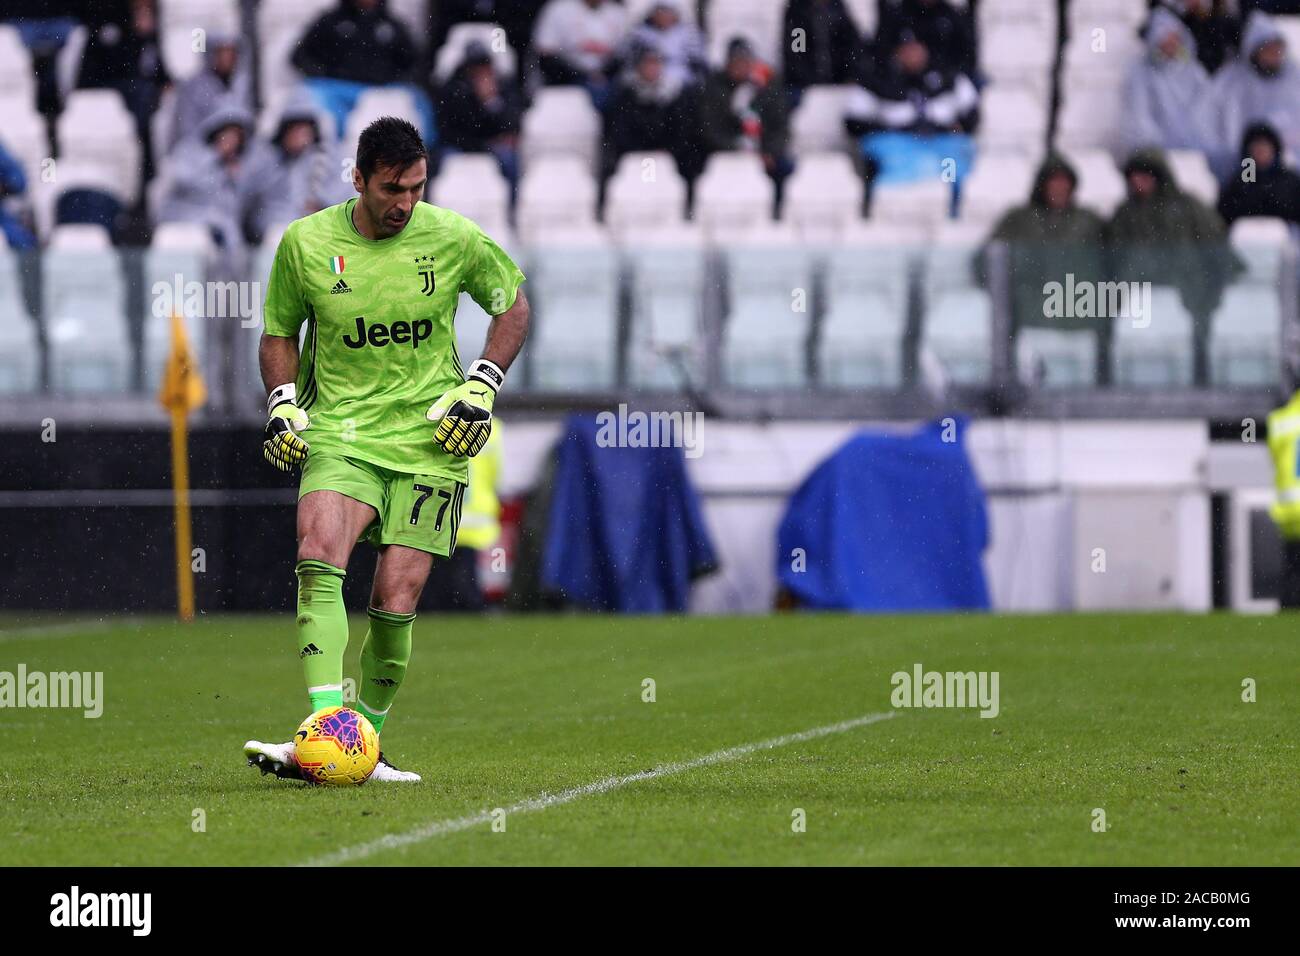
493	279
286	305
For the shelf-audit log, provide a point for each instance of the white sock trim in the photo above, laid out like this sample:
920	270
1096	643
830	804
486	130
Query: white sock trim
323	688
371	710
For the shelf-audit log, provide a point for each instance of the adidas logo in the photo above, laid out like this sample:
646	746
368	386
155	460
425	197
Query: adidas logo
383	681
339	287
311	650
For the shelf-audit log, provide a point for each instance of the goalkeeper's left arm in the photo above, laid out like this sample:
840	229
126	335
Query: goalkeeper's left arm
464	414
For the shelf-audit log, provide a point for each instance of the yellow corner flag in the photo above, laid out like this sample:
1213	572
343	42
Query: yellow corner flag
182	391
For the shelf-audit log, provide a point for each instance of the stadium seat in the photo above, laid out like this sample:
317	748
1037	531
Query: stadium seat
573	288
372	104
923	202
957	324
1018	54
865	14
83	295
1012	119
999	182
1158	354
860	341
1192	173
1089	114
561	121
24	136
1101	186
1245	345
280	24
178	256
665	333
1260	242
472	185
67	62
20	354
178	19
645	194
1057	358
733	195
95	128
452	52
770	300
823	196
556	192
817	124
1089	14
16	76
991	12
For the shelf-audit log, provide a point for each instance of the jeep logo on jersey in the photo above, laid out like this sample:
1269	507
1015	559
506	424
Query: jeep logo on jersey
424	267
399	333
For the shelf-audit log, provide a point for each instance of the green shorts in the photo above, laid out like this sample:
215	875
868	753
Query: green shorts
416	511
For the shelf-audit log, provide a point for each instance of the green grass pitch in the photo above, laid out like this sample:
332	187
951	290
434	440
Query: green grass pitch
1139	715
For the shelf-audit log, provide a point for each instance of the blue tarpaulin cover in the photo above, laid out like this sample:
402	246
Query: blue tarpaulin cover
889	523
626	532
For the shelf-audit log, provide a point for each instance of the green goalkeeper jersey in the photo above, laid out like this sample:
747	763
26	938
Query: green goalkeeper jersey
381	344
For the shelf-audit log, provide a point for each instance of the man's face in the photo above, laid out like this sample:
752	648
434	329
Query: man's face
1170	45
228	142
1058	191
224	59
1141	184
390	195
1262	152
740	67
1271	57
650	68
912	57
297	137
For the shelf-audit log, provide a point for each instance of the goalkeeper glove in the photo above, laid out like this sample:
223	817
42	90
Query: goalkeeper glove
283	446
464	414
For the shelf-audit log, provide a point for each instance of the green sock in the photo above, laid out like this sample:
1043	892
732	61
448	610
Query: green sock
384	657
322	631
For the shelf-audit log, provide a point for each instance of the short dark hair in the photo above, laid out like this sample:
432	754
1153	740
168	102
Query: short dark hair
389	141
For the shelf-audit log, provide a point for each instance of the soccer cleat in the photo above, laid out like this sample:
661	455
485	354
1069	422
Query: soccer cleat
385	772
278	759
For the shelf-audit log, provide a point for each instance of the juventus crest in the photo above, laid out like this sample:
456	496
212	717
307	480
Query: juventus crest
424	269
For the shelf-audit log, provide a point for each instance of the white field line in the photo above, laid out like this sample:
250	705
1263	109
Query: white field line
542	801
67	629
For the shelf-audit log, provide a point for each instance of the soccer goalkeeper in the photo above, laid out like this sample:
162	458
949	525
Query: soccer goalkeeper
377	409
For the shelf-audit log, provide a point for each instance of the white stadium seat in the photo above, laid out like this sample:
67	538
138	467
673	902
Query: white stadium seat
860	343
957	326
493	38
999	182
83	295
95	127
1012	118
665	334
280	24
823	196
562	121
1057	358
1245	345
817	124
1260	242
769	294
179	19
574	292
646	194
556	192
1155	351
1192	173
472	185
1101	185
1018	53
733	195
16	77
179	254
20	356
926	201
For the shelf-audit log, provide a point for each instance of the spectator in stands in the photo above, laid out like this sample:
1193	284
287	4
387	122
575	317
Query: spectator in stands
1213	25
647	113
222	82
576	42
290	175
1168	92
743	107
1261	85
480	112
201	179
826	49
947	33
1047	239
677	40
45	26
122	53
13	183
911	116
1264	185
355	46
1160	234
514	16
